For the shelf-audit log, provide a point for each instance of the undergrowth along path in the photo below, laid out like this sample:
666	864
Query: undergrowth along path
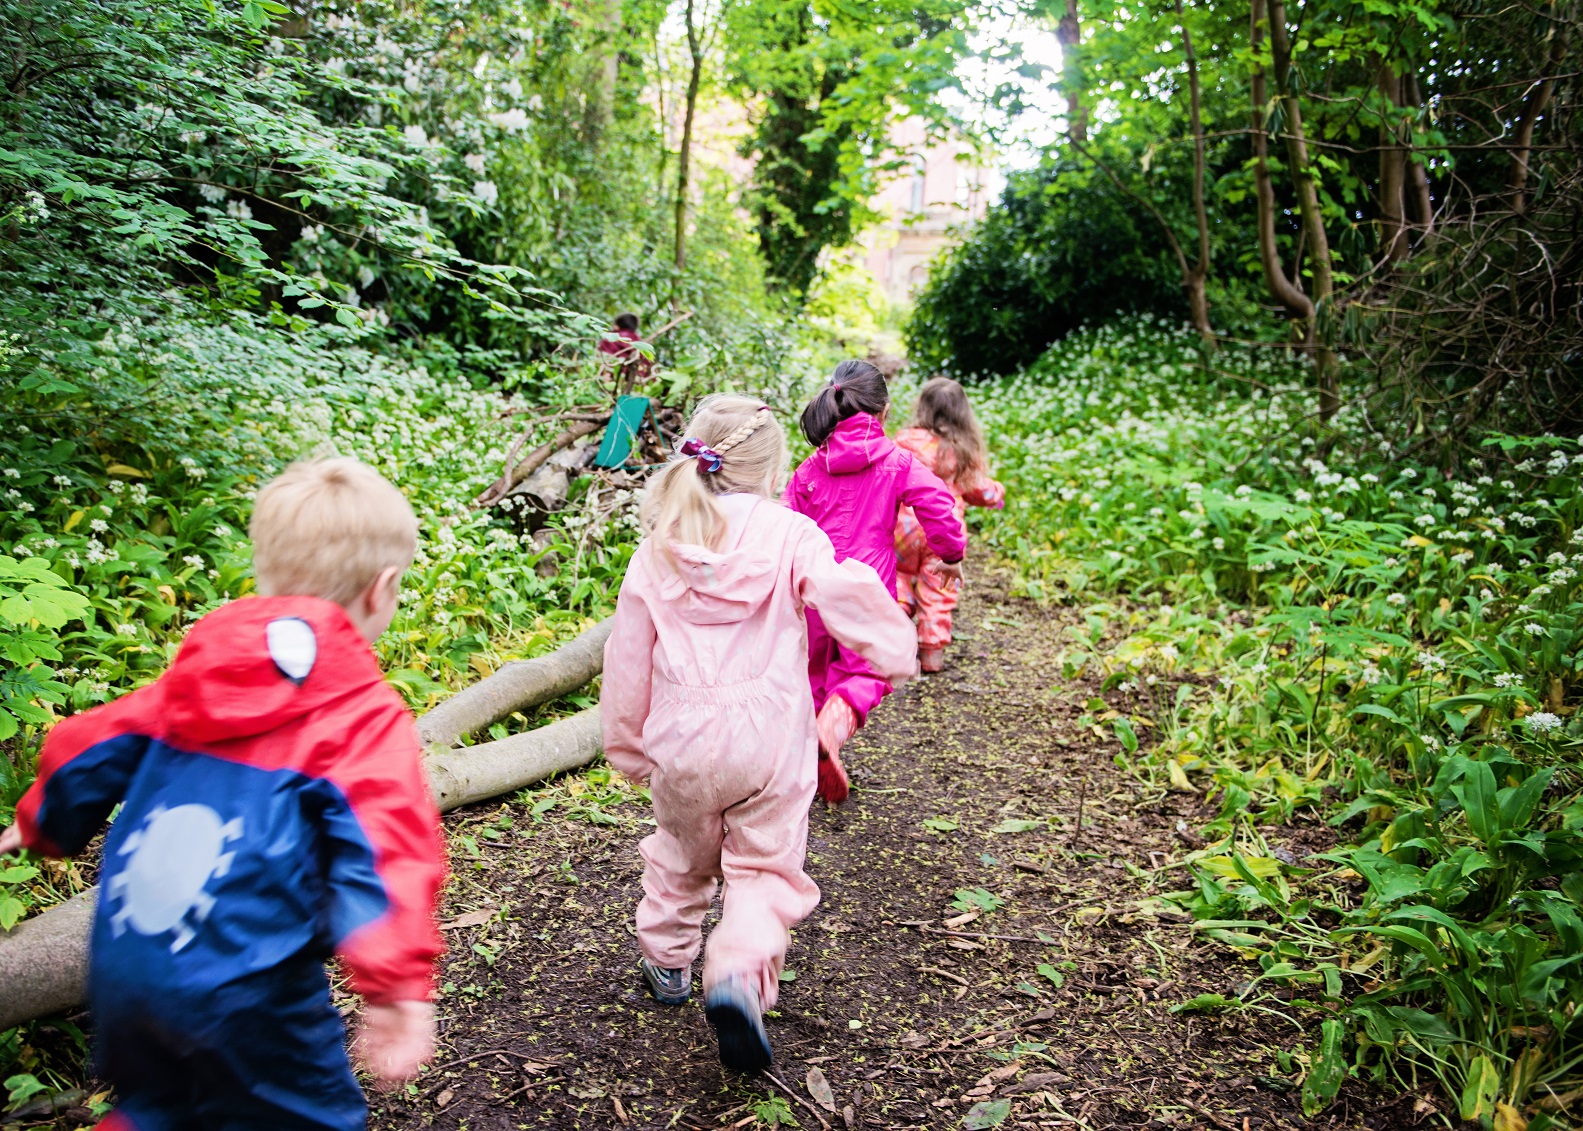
978	958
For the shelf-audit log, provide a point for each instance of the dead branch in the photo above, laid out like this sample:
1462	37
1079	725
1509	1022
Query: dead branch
536	459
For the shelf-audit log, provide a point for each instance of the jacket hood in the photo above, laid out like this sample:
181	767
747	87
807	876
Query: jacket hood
254	665
857	442
720	586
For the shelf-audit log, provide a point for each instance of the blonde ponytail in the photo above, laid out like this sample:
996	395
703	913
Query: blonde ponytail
742	441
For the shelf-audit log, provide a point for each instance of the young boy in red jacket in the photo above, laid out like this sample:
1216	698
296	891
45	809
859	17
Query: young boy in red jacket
274	813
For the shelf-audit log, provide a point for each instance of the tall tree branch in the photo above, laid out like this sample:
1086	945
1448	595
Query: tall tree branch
1535	105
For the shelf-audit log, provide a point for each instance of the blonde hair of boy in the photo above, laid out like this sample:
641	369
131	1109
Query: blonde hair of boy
679	507
327	528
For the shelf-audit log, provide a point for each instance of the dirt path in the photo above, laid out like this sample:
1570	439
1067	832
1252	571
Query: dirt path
913	1013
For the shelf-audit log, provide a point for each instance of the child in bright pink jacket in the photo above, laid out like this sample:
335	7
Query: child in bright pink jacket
705	696
853	486
945	435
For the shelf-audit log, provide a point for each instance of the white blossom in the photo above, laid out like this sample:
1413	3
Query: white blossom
512	121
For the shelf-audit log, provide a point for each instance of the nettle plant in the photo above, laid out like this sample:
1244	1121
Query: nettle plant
1391	647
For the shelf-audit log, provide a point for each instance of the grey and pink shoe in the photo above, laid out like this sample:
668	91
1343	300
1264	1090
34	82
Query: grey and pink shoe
669	987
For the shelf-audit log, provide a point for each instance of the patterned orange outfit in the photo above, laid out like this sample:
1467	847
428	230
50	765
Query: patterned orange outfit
922	591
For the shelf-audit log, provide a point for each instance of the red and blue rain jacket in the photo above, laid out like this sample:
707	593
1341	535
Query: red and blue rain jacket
274	812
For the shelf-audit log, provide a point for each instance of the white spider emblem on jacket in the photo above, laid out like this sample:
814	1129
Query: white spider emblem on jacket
174	856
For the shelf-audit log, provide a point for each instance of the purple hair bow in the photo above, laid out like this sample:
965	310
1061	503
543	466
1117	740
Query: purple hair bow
708	458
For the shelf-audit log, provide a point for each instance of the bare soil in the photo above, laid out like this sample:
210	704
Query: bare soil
916	1012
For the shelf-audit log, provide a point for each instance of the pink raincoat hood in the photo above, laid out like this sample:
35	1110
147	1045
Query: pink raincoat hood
855	485
720	587
857	443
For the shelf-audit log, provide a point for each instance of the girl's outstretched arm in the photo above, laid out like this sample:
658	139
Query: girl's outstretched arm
855	606
629	675
931	500
985	492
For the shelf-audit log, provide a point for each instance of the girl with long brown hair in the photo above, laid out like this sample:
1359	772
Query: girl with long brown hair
944	435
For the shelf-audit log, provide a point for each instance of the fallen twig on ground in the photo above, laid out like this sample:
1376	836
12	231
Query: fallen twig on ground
813	1111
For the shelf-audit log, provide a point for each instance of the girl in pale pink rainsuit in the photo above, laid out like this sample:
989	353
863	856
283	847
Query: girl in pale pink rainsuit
853	487
706	695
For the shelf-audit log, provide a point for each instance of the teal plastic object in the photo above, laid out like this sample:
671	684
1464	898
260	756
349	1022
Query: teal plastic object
622	431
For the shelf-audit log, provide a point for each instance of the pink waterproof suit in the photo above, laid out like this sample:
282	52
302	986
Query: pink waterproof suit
705	696
853	487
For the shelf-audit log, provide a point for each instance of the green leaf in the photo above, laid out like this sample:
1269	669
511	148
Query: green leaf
941	824
1017	825
1478	796
1126	734
11	911
1057	979
977	899
986	1114
1517	804
1206	1003
1326	1071
1483	1085
21	1087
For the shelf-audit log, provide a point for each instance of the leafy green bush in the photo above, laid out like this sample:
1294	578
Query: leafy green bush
1316	623
1062	249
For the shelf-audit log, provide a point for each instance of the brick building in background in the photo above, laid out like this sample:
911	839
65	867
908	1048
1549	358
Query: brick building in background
924	209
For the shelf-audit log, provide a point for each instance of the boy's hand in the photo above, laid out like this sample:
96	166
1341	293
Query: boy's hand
951	571
11	841
395	1040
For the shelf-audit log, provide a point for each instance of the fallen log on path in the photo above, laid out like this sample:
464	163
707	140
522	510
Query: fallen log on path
477	773
44	959
518	684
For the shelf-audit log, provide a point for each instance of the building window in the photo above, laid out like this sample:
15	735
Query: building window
917	185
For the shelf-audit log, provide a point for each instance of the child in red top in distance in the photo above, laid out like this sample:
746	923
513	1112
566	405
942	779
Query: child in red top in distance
944	434
274	813
853	486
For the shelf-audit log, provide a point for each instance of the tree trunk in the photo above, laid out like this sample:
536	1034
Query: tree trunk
1288	292
1393	170
536	459
44	961
1308	203
684	158
516	685
1417	174
602	104
1195	279
1534	107
470	774
1070	34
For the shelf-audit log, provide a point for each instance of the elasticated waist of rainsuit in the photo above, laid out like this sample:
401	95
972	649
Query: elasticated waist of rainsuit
722	695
